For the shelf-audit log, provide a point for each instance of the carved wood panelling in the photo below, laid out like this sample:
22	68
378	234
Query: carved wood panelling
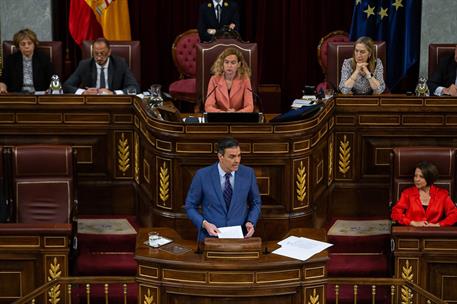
85	154
137	157
330	149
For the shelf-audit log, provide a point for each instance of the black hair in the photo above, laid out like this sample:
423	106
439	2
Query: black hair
225	143
102	40
429	171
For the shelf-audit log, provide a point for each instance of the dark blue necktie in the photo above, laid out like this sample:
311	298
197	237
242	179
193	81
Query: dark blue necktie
102	78
227	190
218	12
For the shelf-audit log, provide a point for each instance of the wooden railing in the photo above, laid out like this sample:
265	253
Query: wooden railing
400	291
60	290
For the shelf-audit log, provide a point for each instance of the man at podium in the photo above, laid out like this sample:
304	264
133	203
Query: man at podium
227	193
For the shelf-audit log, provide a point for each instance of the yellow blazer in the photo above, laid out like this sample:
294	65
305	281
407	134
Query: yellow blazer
219	99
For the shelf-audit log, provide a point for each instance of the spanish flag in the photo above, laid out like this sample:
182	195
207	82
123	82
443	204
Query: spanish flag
91	19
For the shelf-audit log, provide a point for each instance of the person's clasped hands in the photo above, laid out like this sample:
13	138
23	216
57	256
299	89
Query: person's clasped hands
423	224
95	91
362	69
451	90
3	89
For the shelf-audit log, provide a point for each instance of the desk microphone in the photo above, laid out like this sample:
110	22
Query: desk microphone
207	96
257	96
199	250
265	249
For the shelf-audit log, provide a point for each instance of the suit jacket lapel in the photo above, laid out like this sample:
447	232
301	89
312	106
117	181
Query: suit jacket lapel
93	74
239	180
222	87
216	181
110	74
236	86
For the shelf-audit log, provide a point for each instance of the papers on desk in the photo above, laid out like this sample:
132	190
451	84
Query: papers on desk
306	100
231	232
300	248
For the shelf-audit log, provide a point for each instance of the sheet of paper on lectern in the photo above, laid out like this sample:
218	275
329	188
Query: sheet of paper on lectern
300	248
231	232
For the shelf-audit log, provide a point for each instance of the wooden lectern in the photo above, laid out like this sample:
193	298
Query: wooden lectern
249	248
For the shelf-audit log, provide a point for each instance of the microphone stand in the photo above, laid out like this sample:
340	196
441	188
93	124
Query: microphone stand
265	249
207	96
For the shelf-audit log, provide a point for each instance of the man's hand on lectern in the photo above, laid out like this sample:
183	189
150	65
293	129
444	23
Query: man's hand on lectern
250	229
211	228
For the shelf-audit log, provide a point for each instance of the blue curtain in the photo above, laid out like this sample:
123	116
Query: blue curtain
397	22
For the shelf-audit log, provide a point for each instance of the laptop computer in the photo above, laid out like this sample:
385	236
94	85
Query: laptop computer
233	117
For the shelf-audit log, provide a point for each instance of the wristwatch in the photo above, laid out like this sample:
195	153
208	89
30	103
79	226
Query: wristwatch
369	76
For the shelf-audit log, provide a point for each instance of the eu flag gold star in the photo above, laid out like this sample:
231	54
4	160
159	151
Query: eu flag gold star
358	2
397	4
383	12
369	11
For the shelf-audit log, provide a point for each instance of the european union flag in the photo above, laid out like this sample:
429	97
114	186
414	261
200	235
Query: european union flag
397	22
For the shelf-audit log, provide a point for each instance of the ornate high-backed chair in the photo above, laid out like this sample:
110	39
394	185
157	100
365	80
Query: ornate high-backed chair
207	54
405	159
338	51
184	53
129	50
436	51
52	48
322	52
43	184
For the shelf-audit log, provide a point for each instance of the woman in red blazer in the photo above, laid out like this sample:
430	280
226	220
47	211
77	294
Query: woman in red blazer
229	89
425	205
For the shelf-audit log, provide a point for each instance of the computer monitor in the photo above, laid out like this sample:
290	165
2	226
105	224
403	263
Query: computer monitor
233	117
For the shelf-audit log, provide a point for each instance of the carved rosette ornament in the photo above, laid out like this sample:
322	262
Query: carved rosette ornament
54	272
123	154
344	156
301	182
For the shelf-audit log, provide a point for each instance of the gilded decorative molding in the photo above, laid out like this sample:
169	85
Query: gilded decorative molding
330	160
344	156
314	297
148	298
164	181
301	182
54	272
407	272
137	157
408	275
123	154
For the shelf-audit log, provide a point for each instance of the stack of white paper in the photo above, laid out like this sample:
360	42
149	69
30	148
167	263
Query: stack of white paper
300	248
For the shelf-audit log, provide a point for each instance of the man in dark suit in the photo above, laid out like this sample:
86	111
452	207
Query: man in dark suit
227	193
102	74
213	15
444	79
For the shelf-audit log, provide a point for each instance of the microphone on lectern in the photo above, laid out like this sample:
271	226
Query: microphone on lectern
209	94
257	96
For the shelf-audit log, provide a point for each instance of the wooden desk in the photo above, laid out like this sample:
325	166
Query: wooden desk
190	278
428	257
31	255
